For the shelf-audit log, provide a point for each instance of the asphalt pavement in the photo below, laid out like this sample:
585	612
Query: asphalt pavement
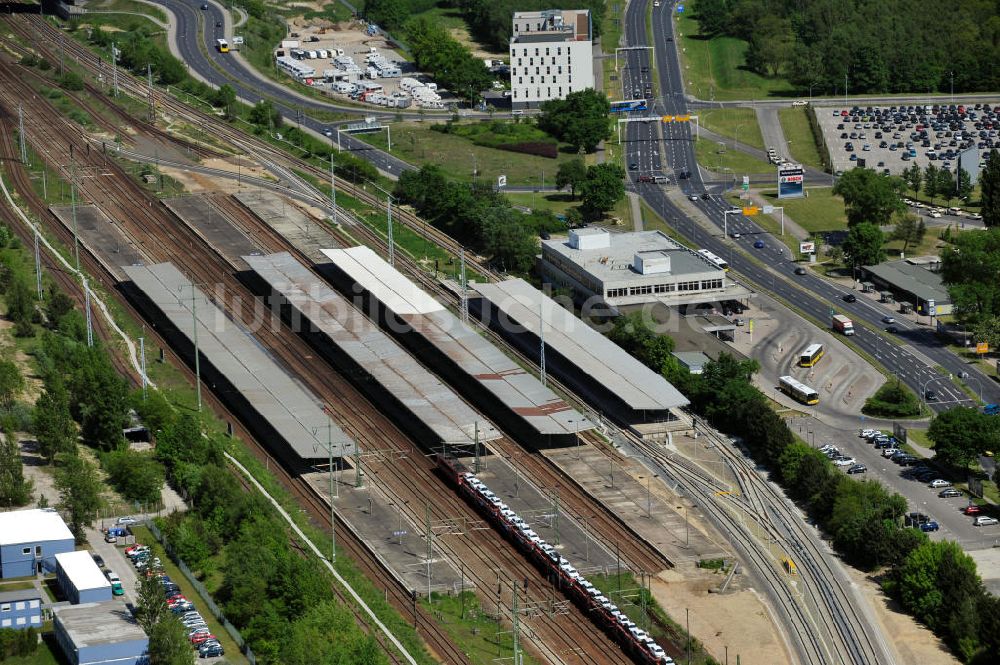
911	355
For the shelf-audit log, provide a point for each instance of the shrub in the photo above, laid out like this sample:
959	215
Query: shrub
893	400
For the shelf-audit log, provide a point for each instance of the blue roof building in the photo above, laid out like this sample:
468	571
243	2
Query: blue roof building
30	540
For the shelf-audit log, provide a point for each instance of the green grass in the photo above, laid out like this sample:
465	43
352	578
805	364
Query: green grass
715	68
738	124
16	586
48	653
127	6
719	158
798	135
919	436
143	535
418	144
483	639
555	203
820	211
450	18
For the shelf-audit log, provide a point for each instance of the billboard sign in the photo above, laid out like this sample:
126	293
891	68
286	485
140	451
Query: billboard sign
968	161
790	180
807	248
982	347
899	432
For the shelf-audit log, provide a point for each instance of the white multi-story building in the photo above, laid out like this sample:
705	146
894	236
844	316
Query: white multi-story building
551	55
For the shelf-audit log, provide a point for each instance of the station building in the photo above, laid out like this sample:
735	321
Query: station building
30	540
551	55
622	269
99	634
80	578
20	609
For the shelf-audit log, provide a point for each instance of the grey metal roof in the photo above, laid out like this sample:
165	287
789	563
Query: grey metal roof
919	281
293	412
520	391
594	354
427	398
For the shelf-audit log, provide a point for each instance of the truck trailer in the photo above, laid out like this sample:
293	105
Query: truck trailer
842	324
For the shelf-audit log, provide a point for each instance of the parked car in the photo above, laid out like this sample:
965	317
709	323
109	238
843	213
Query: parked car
127	519
929	526
201	638
845	461
950	493
972	509
857	468
211	651
984	520
940	483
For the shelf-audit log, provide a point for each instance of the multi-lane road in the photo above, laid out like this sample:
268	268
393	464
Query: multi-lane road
912	355
220	68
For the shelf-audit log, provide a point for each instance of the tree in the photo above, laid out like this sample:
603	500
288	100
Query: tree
168	643
15	490
225	97
149	607
265	116
11	383
864	245
571	174
870	197
79	493
964	186
946	185
603	188
961	434
971	269
989	183
931	181
634	333
910	229
987	329
914	179
53	424
581	119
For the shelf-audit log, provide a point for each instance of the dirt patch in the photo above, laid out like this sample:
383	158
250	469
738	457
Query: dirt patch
200	182
912	641
739	621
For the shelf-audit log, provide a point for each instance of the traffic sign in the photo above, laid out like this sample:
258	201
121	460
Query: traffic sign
768	210
667	118
751	211
680	9
501	181
746	183
683	118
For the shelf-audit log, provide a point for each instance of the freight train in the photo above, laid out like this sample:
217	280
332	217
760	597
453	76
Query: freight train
635	641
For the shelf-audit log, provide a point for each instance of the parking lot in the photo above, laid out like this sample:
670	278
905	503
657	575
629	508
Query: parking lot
946	511
895	137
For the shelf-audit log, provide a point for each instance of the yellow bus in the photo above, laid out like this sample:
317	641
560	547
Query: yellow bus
222	45
798	391
811	355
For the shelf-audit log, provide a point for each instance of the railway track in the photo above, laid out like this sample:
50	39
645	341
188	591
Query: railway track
826	620
52	42
161	237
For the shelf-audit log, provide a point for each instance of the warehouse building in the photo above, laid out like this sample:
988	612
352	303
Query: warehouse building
100	634
621	269
29	541
914	283
551	55
80	578
21	609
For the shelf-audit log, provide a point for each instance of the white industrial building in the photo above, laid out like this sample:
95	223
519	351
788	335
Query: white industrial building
81	579
624	269
551	55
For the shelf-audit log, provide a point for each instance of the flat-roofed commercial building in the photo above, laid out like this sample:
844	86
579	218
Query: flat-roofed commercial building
100	634
551	55
29	541
80	578
635	268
